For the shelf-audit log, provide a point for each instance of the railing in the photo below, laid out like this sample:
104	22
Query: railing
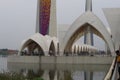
112	73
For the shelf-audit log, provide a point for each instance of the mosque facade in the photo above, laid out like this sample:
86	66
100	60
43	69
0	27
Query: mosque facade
47	42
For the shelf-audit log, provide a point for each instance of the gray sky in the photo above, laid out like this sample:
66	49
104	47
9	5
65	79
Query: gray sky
18	17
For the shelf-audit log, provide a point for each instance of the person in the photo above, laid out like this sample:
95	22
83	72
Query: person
118	62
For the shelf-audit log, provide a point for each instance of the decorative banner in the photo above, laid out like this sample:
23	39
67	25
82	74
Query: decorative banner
44	16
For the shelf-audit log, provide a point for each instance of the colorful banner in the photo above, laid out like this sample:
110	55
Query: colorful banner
44	16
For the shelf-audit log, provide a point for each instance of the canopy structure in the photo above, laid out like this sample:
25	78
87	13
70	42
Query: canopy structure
43	44
113	17
77	29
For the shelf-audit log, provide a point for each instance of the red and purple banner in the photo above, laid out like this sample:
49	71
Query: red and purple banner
44	16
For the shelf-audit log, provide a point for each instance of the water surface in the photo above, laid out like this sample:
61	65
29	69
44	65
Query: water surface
57	71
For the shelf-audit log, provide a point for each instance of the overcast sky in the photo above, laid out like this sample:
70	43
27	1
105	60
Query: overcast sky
18	17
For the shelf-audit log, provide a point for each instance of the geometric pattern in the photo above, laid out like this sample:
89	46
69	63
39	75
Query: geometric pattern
44	16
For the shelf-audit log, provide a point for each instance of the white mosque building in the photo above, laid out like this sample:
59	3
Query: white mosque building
50	41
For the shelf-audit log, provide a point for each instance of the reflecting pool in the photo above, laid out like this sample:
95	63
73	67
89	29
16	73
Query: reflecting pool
57	71
61	71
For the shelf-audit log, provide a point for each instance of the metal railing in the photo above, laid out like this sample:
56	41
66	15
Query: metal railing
112	73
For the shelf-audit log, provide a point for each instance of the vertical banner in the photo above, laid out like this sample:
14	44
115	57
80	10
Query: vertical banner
44	16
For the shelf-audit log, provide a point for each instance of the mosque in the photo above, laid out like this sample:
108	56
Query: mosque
50	41
51	45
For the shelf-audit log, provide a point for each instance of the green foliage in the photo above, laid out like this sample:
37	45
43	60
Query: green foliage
11	76
16	76
67	75
38	79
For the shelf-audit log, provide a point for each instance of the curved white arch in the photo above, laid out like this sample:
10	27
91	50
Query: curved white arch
50	40
39	39
91	19
55	41
52	50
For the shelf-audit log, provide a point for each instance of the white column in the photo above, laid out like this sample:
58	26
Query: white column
107	49
46	75
88	6
88	36
88	75
55	78
60	75
37	17
53	21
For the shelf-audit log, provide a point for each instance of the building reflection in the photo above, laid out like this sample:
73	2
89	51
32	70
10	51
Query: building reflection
88	75
63	75
63	72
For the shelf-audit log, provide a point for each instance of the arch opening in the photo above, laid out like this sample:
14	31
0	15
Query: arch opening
52	49
31	48
78	34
